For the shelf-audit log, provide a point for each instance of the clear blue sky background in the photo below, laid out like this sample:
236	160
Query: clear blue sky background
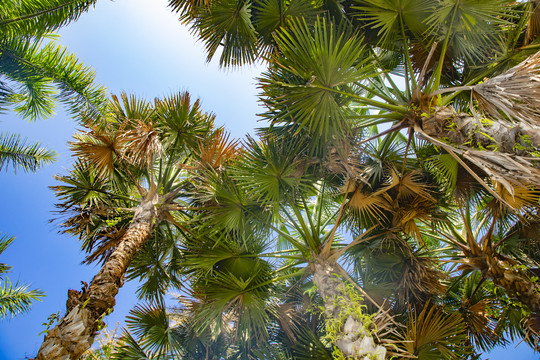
137	46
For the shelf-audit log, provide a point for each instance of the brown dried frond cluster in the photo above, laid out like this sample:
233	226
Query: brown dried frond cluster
420	279
509	159
98	149
142	144
217	150
402	200
513	95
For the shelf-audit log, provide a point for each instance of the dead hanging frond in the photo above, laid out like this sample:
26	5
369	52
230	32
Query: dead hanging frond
105	242
513	95
420	279
507	169
142	144
533	25
342	158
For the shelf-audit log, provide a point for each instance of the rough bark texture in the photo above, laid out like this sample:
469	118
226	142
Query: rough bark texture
515	280
75	333
505	151
354	340
461	128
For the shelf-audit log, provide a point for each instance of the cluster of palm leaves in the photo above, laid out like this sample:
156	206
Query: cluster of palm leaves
389	209
36	72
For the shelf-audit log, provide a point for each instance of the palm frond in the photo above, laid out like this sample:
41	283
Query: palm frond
314	65
34	18
16	299
41	69
228	23
513	95
433	334
17	153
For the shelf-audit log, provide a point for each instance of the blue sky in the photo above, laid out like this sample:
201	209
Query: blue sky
139	47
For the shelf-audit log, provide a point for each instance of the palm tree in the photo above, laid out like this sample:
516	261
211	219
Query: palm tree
272	185
124	190
432	45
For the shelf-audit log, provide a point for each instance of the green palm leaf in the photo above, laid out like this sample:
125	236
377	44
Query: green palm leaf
14	298
37	17
304	87
17	153
42	69
228	23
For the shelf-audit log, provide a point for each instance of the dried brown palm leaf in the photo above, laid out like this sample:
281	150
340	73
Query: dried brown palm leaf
420	279
142	143
368	205
406	214
412	186
533	25
421	60
105	243
98	149
513	95
216	150
507	169
342	160
288	319
433	333
521	199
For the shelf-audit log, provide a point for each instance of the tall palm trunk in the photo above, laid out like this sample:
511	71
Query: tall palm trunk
502	150
75	333
353	337
494	135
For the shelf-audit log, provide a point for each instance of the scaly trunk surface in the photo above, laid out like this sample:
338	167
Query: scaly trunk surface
514	280
503	150
75	333
354	339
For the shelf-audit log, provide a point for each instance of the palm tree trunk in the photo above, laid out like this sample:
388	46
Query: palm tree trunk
492	135
75	333
505	152
516	282
353	337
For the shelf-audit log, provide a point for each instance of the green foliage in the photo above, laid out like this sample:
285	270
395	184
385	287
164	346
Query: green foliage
38	17
349	171
316	65
15	299
16	151
37	72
